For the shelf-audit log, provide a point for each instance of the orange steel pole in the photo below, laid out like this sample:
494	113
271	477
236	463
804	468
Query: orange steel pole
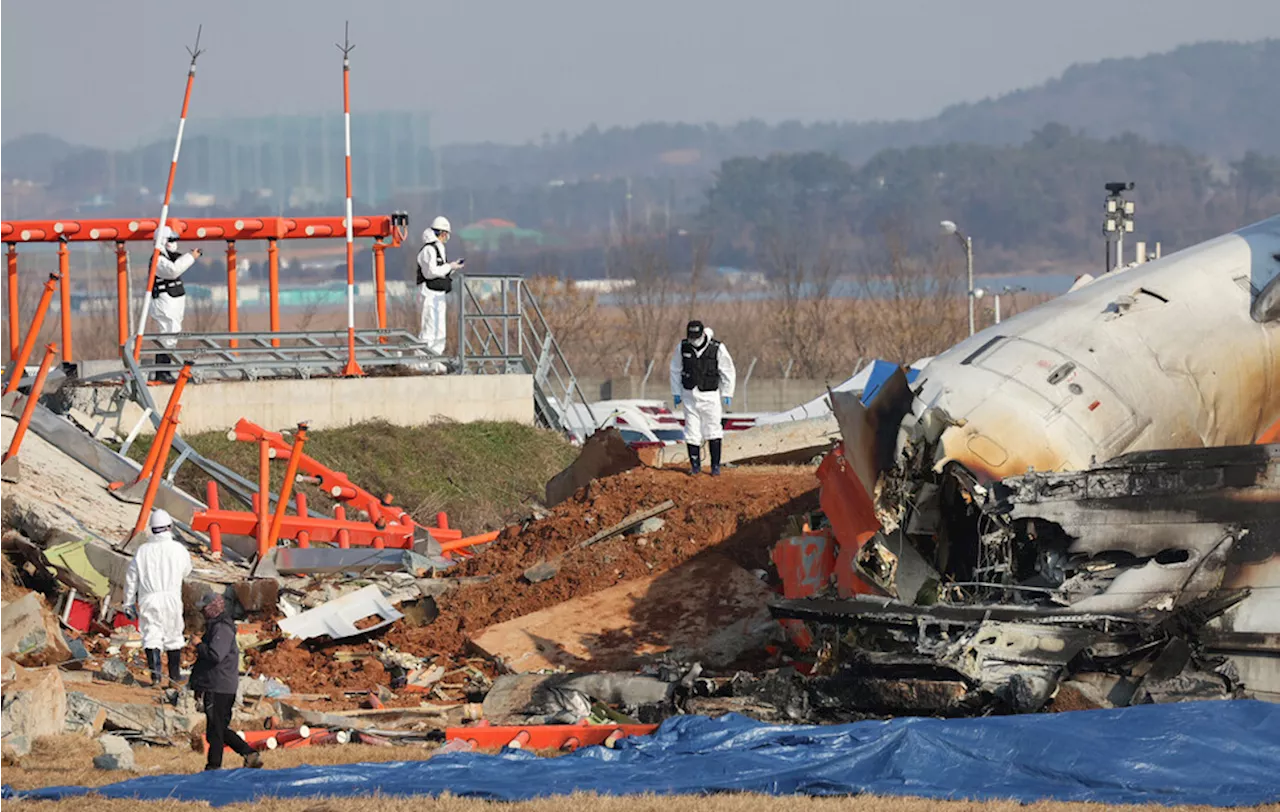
153	485
122	291
168	196
273	287
64	300
264	494
352	369
15	335
380	284
170	414
469	541
304	538
32	399
344	538
286	489
215	531
29	344
233	317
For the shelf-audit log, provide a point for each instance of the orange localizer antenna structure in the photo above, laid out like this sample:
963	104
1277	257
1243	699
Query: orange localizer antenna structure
352	369
168	195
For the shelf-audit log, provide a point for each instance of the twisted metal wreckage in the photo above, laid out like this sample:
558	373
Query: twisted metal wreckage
1087	493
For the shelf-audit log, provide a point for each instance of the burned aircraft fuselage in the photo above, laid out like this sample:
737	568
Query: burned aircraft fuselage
1167	354
1095	454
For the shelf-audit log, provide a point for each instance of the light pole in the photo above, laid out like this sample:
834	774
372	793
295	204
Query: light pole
1118	220
949	227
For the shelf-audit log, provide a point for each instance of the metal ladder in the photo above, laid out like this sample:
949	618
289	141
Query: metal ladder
501	330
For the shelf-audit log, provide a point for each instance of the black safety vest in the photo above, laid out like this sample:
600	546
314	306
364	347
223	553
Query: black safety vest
700	372
441	284
173	288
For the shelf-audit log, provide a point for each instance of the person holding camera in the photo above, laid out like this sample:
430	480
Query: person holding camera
435	283
169	295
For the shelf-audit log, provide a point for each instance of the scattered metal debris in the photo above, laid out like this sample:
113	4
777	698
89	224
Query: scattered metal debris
341	618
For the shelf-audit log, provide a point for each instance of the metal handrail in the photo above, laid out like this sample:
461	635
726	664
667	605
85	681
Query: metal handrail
479	342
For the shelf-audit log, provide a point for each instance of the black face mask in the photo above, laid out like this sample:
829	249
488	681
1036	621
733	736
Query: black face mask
696	333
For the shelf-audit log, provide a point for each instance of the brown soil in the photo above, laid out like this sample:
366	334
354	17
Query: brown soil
368	622
740	514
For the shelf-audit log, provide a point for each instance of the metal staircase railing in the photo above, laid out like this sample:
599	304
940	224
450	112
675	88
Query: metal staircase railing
501	330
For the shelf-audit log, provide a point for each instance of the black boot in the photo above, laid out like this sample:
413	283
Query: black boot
165	376
715	457
153	662
695	458
175	668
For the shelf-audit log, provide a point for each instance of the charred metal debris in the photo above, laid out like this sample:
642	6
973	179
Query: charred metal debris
1144	579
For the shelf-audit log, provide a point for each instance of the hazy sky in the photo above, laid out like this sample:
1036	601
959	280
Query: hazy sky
106	73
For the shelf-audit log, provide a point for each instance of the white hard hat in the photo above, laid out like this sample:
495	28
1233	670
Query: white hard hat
441	224
161	520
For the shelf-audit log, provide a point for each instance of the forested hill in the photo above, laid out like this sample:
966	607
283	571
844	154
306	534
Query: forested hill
1217	98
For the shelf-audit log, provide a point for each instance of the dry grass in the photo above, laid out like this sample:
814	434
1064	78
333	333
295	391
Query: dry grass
10	581
482	474
68	760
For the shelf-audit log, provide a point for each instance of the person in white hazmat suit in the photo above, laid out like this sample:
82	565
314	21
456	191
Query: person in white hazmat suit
435	283
169	296
154	581
703	379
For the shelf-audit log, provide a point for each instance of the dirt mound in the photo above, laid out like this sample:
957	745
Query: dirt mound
740	515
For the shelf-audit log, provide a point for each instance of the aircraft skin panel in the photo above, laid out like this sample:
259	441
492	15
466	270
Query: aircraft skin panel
1162	355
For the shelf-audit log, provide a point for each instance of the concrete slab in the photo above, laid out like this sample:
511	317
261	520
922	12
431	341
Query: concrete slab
793	442
326	402
708	609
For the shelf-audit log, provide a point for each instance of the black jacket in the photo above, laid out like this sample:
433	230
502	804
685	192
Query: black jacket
217	668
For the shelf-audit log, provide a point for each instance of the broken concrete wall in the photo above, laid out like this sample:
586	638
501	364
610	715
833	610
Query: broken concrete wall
793	442
604	453
31	635
34	705
520	699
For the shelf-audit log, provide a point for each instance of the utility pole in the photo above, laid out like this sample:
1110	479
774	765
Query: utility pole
628	206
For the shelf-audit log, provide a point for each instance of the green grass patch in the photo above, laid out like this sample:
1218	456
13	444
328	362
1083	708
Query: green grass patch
484	475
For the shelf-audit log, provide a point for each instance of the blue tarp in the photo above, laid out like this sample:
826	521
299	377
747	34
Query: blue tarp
1218	753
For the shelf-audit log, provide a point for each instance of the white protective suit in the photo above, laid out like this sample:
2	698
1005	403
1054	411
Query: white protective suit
432	265
165	309
703	410
155	578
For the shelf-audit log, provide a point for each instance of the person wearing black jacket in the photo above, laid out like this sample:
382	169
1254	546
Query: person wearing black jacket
215	678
